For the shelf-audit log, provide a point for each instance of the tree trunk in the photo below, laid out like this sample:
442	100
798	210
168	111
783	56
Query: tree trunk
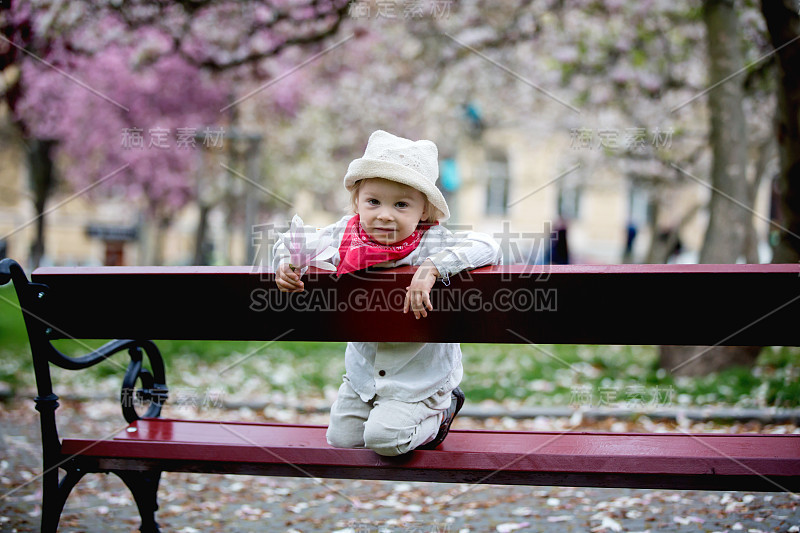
702	360
727	219
726	236
161	226
201	247
783	23
42	180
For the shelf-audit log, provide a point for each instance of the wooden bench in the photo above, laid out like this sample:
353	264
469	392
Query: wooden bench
631	304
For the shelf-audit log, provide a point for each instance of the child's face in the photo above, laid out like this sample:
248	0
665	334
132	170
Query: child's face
390	211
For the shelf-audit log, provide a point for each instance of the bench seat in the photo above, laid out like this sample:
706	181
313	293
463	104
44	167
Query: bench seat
665	460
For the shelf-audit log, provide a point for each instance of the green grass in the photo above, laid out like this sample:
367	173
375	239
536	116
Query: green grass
623	376
578	375
12	329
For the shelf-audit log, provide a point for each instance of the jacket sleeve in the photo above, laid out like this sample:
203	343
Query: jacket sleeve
464	250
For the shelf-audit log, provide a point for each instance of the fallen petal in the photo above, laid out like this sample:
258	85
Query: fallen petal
510	526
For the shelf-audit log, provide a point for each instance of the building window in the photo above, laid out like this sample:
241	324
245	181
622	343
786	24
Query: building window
569	200
497	183
640	213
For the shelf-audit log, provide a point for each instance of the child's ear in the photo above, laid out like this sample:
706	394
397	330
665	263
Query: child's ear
426	213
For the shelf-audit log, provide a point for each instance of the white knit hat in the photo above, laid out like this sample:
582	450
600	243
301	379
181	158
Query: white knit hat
412	163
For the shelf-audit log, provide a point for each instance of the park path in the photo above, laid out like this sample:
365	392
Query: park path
202	503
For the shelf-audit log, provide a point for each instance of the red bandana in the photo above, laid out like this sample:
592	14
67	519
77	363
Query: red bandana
358	250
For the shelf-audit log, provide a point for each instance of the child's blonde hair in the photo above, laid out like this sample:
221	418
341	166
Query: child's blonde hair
354	202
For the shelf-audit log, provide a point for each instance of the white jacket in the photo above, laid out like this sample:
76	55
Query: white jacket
411	372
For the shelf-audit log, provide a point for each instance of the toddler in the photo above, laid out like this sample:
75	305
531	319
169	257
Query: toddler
397	396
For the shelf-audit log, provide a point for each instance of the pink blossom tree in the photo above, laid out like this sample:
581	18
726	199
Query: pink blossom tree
133	134
88	72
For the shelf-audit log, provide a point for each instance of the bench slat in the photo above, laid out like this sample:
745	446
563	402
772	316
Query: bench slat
709	461
619	304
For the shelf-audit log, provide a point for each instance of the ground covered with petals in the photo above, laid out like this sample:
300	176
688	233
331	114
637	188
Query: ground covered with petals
195	502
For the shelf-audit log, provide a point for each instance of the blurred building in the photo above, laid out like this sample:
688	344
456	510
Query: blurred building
532	193
537	193
79	230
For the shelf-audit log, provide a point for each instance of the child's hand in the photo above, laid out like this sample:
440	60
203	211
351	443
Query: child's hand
418	293
287	279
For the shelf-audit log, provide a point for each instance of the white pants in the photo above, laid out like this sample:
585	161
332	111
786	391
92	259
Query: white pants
388	427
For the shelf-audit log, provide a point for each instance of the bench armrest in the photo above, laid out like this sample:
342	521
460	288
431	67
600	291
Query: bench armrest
32	296
154	388
5	270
